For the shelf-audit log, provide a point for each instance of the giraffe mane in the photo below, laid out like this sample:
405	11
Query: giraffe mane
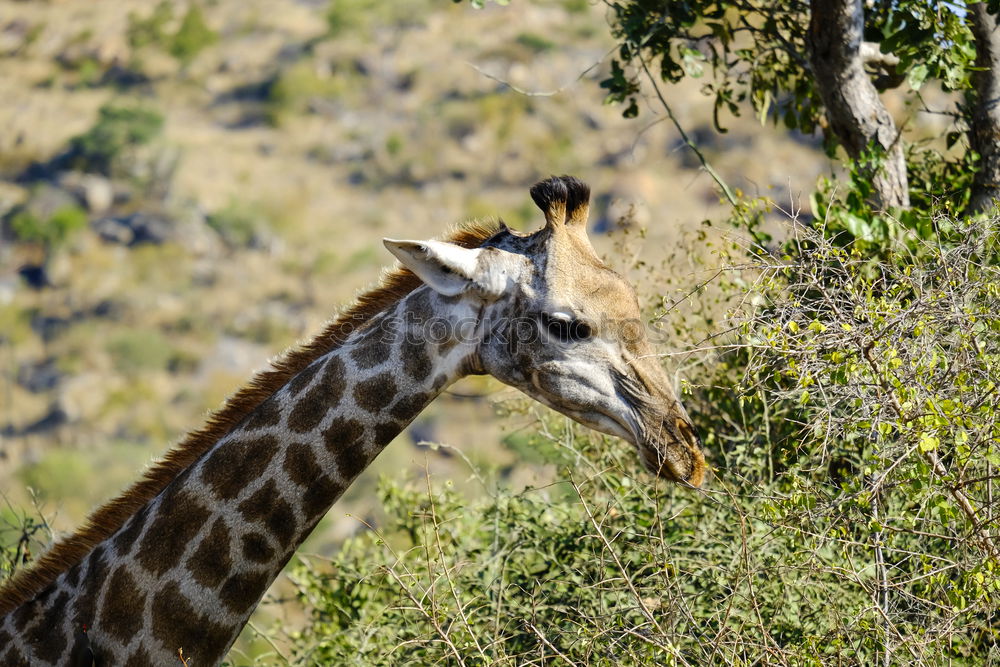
394	285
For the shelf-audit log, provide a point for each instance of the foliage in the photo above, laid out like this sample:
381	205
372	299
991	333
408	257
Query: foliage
240	225
151	30
756	52
110	142
296	87
855	428
23	534
344	16
193	34
52	231
134	351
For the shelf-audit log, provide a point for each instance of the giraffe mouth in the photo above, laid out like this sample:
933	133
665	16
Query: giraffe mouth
678	461
671	450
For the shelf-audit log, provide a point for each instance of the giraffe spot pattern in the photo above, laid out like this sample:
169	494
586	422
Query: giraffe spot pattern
416	363
256	548
268	507
319	496
124	602
86	601
300	464
177	624
27	611
321	398
419	306
73	576
445	346
375	393
127	537
180	517
241	591
47	637
385	432
139	658
409	406
344	440
267	414
211	561
14	658
302	380
372	349
237	460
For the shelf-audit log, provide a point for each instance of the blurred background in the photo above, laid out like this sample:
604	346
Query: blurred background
188	188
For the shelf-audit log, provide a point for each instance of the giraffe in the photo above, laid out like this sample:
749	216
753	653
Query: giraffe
182	558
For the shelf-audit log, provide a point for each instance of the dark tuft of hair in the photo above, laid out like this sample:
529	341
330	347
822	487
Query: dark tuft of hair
548	192
578	193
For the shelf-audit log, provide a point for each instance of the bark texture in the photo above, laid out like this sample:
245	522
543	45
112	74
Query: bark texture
855	113
983	109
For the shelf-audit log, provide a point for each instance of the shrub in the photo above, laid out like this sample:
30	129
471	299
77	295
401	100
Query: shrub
119	130
23	535
50	232
151	30
192	36
535	42
136	351
240	225
295	87
855	429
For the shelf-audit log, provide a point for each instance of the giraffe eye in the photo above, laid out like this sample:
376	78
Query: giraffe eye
565	328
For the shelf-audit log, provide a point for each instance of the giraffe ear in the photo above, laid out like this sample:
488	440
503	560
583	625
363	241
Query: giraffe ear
447	268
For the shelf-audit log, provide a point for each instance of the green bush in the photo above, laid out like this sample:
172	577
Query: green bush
23	534
192	36
240	225
140	350
119	130
51	232
535	42
151	30
855	430
295	87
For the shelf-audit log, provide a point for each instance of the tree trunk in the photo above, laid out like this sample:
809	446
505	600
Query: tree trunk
983	109
853	108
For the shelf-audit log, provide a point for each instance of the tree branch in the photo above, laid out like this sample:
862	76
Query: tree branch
855	113
983	109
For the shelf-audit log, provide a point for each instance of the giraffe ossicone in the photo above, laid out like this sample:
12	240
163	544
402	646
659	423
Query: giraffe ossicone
182	558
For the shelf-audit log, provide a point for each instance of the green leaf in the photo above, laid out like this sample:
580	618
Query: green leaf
916	76
928	442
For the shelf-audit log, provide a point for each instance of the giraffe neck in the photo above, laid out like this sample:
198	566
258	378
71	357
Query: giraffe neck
187	570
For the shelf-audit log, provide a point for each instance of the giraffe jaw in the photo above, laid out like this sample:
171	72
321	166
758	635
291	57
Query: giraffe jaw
658	456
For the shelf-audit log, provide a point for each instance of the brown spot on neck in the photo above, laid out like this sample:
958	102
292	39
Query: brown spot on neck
211	561
178	521
177	624
376	393
235	462
323	396
124	604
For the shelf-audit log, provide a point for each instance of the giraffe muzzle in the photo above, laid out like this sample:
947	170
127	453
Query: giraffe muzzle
673	452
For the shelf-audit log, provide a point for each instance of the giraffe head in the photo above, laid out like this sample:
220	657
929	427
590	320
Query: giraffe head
555	322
